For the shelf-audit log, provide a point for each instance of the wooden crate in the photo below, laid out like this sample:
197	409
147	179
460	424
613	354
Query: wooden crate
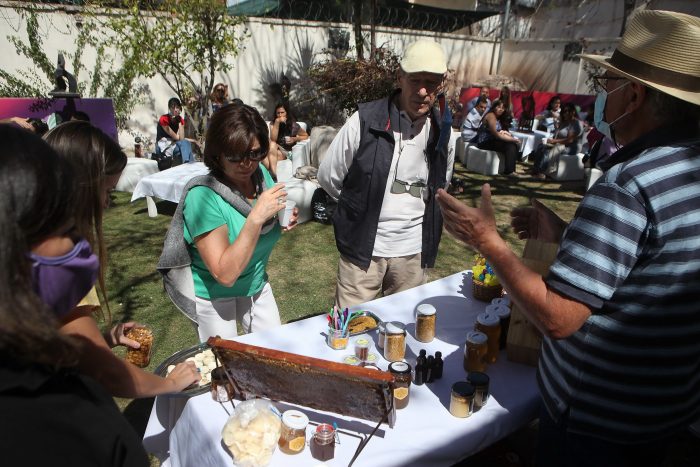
524	340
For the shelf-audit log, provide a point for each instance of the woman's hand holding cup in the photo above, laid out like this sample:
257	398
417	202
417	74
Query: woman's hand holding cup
269	203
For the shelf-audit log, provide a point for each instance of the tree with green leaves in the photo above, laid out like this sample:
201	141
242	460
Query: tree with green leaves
109	76
185	42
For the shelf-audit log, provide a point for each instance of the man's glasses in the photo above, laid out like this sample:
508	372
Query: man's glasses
253	156
600	81
414	189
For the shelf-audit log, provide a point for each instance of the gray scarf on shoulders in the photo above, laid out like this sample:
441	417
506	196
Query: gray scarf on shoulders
175	261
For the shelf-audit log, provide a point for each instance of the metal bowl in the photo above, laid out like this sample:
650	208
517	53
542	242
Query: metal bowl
364	331
181	356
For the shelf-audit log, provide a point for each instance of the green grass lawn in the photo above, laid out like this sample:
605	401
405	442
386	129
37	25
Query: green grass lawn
302	268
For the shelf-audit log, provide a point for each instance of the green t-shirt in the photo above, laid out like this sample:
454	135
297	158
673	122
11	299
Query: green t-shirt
204	211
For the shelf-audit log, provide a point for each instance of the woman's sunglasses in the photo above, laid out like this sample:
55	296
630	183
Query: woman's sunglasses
253	156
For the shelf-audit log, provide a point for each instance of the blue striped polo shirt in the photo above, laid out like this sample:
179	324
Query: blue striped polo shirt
632	254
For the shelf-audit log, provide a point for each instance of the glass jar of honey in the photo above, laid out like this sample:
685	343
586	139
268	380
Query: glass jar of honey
426	315
480	381
323	443
475	349
490	324
462	399
402	383
293	437
503	313
395	341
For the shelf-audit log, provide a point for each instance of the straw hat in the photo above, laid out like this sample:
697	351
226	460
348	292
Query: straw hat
424	55
660	49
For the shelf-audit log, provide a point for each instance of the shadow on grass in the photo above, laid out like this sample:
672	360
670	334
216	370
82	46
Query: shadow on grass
167	208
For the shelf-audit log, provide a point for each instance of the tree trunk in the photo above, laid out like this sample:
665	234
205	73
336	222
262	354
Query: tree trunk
357	17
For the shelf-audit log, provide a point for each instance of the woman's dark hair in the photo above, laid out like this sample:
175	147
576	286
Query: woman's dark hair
569	107
290	116
93	156
494	104
553	99
174	102
231	132
36	195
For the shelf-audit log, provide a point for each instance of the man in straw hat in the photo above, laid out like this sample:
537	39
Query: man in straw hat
619	371
384	167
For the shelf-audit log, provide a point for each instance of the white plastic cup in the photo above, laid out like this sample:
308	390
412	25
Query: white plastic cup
286	213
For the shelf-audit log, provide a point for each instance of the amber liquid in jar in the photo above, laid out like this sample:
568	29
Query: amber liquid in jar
490	324
475	351
402	383
293	437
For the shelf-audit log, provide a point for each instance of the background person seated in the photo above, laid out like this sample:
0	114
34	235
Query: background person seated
550	117
219	97
566	140
491	136
472	122
483	92
170	133
284	129
505	97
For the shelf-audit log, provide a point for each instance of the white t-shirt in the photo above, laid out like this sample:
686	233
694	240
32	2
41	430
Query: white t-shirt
399	232
400	228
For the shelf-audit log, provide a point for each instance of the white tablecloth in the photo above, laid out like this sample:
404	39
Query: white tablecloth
528	141
136	168
188	432
169	183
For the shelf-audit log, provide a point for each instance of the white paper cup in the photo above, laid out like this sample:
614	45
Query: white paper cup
287	140
286	212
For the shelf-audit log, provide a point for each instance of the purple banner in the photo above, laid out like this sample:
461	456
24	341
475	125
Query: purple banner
100	111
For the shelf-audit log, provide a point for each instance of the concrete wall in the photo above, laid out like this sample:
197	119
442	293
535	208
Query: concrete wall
290	47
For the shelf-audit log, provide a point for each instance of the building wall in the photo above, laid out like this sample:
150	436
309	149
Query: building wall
290	47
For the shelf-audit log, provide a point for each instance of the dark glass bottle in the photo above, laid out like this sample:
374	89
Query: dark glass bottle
437	365
418	371
430	376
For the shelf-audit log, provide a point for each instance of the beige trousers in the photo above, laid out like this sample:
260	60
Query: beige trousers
385	275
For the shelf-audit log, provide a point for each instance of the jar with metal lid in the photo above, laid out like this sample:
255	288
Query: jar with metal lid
426	315
221	387
490	324
475	349
503	313
462	399
293	437
402	383
395	341
381	334
480	381
323	443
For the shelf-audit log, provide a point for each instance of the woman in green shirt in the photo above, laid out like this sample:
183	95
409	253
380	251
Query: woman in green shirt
230	251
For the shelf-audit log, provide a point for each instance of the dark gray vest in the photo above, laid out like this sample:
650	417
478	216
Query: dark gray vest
357	215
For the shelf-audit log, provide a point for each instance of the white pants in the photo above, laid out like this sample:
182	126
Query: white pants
223	316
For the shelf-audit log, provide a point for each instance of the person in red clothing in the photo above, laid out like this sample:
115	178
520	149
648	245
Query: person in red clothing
170	133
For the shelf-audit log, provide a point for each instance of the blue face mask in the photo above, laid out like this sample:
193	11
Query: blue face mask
599	113
62	281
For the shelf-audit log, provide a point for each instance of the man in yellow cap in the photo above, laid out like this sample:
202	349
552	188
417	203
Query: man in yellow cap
619	371
384	167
